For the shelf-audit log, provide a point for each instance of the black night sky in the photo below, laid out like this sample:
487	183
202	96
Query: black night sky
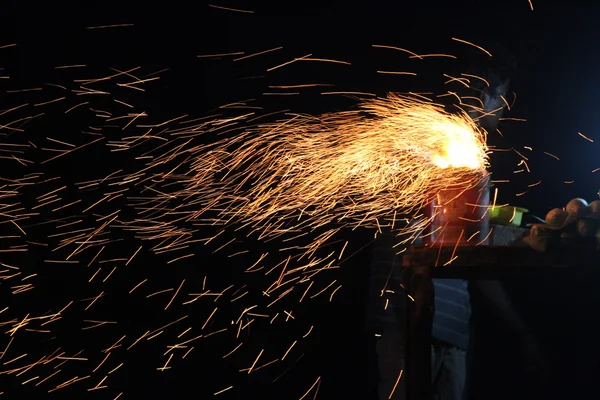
556	82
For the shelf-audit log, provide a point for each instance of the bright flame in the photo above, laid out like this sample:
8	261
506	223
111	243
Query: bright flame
451	141
358	167
462	147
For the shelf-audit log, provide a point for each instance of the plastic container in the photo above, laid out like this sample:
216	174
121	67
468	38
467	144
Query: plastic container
507	215
460	217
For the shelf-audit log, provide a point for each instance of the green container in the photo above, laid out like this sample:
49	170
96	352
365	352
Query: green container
507	215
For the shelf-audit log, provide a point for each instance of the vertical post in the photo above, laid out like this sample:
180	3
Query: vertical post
420	318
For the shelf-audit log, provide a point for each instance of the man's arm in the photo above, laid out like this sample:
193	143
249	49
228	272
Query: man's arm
493	293
496	299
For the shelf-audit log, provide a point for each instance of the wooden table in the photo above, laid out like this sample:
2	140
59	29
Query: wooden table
482	262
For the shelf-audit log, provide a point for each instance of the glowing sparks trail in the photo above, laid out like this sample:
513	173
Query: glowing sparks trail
472	44
350	168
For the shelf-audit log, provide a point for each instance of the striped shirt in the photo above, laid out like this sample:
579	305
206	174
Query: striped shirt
386	310
452	312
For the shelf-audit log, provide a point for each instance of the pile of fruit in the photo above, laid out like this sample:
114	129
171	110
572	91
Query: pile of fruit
577	223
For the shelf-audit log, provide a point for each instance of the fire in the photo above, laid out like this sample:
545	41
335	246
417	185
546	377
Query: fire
447	140
353	168
463	147
452	140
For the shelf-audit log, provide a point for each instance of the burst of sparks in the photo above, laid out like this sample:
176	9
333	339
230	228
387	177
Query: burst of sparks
292	179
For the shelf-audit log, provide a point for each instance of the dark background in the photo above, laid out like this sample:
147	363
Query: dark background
555	47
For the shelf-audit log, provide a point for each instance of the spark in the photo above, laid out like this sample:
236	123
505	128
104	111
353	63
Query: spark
180	258
332	293
24	90
187	352
257	54
486	237
326	60
350	93
397	73
514	214
255	361
69	151
175	295
137	340
473	235
96	273
134	254
474	45
462	81
505	102
209	317
66	205
47	378
123	103
395	384
311	388
232	351
322	290
306	85
29	380
288	62
108	26
281	94
109	274
70	66
288	350
55	85
237	53
15	359
94	300
421	56
164	367
495	197
231	9
223	390
397	48
308	333
585	137
159	292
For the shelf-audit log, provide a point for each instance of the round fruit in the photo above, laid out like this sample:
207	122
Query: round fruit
578	207
556	217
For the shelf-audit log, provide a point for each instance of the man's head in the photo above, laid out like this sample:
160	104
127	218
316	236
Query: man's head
497	71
